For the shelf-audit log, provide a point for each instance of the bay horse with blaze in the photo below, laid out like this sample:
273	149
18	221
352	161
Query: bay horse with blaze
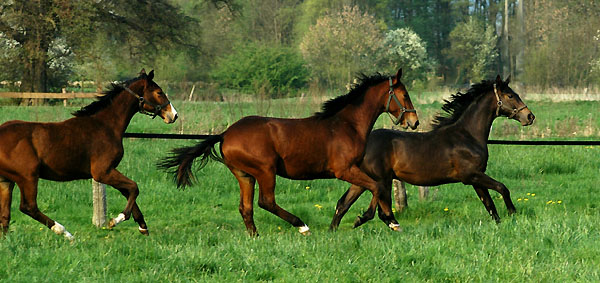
88	145
329	144
454	151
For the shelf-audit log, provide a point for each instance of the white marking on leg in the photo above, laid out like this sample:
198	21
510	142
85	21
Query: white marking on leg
394	226
60	230
304	229
142	229
57	228
119	218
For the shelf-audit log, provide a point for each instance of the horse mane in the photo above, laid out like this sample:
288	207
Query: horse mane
459	102
104	100
354	96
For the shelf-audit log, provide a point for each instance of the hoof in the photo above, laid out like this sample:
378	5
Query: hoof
144	231
395	227
357	222
304	230
111	224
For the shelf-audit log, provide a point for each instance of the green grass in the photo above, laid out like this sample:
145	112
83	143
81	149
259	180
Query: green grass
198	234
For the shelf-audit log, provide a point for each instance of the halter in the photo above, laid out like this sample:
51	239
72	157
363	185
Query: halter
499	105
387	106
142	101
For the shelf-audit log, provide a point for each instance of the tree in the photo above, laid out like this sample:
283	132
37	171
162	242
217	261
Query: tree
404	48
473	50
342	44
137	28
264	70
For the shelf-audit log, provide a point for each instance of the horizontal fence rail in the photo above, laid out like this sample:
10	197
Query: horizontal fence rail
504	142
46	95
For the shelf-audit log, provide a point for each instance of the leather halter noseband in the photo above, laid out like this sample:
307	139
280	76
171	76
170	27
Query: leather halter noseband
387	106
142	101
499	103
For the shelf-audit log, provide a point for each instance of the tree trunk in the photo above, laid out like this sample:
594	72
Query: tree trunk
506	68
400	196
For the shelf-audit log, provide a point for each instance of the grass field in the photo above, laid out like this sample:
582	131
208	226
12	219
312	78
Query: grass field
198	234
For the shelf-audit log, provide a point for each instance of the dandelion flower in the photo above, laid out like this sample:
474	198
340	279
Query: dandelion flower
526	199
532	195
559	202
549	202
446	209
528	194
307	187
519	199
318	206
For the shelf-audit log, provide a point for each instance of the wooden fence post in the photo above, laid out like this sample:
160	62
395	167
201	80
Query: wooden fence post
400	196
99	195
423	192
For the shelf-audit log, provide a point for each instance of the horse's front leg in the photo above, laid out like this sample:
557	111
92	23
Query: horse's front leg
129	189
483	181
356	177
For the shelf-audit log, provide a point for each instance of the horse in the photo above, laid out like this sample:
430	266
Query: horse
455	150
89	145
329	144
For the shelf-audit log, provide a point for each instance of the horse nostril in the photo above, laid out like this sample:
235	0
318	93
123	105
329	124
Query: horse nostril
417	123
531	117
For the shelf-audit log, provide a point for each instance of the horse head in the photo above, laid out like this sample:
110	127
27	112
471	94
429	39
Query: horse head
153	100
398	104
509	103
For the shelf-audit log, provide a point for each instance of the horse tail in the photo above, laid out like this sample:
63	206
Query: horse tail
181	159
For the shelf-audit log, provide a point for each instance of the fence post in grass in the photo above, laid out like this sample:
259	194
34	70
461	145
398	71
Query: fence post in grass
400	196
99	195
423	192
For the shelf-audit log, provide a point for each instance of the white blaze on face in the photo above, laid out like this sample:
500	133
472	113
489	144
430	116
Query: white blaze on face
173	111
171	115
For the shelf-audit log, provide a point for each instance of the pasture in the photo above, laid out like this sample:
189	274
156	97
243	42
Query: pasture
198	234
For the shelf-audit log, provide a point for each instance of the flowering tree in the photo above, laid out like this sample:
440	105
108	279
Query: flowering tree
342	44
473	49
404	48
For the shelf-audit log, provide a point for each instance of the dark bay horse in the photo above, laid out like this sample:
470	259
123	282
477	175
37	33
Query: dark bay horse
454	151
329	144
88	145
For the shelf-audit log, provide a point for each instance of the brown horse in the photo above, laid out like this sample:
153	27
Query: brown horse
329	144
454	151
87	146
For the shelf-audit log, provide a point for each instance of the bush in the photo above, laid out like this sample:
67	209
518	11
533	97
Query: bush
274	71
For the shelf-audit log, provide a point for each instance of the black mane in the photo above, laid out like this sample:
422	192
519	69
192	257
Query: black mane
104	100
354	97
459	102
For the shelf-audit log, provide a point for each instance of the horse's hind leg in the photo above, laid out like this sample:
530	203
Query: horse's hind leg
486	199
344	203
246	199
266	200
6	189
29	206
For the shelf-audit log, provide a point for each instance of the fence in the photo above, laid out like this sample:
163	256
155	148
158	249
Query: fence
99	190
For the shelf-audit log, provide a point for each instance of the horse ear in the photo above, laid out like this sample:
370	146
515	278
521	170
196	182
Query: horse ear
143	72
498	80
507	80
399	74
151	75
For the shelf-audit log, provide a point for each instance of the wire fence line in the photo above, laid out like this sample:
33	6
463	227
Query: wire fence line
502	142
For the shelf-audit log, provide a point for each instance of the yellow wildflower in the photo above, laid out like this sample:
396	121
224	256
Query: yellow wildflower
318	206
532	195
549	202
446	209
519	199
559	202
526	199
307	187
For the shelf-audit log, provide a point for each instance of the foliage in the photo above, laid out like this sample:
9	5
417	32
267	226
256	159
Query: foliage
342	44
473	50
404	48
268	71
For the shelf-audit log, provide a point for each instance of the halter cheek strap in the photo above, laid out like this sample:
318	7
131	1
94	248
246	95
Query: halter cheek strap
142	101
392	95
499	105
